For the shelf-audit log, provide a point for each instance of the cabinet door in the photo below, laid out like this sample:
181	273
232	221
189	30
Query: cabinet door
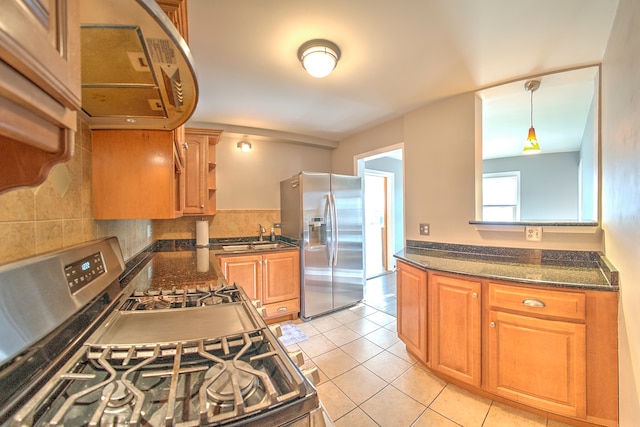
246	271
136	174
195	155
280	277
411	283
40	86
538	362
41	40
454	320
200	165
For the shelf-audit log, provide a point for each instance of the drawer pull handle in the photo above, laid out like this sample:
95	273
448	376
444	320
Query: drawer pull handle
531	302
281	309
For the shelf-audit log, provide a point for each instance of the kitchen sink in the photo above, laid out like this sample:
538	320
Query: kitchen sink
236	247
253	246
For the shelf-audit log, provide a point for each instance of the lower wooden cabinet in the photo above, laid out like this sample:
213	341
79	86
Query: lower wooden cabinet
273	278
246	271
551	349
411	284
454	319
538	362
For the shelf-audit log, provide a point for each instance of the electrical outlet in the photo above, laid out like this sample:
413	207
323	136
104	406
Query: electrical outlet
148	230
424	229
533	234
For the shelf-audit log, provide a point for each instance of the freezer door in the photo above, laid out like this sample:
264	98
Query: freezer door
316	289
348	263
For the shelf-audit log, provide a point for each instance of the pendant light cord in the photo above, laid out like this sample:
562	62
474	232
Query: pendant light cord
531	119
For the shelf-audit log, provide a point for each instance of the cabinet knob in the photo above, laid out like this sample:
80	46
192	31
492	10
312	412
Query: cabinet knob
475	295
201	206
492	324
185	145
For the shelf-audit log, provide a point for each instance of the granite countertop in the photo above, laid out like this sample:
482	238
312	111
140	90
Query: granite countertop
569	269
178	263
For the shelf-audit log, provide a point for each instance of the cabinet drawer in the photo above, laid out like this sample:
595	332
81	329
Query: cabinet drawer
283	308
565	305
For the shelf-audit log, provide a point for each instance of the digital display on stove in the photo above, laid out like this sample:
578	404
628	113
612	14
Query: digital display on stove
82	272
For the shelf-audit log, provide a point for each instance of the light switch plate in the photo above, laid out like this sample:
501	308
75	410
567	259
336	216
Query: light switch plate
533	233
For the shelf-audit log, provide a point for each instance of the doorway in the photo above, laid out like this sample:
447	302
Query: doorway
382	174
378	196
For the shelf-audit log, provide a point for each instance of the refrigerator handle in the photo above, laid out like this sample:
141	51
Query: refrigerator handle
328	212
335	228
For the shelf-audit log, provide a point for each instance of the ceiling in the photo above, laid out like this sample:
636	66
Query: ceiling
396	57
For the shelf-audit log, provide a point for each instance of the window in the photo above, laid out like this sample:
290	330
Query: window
501	196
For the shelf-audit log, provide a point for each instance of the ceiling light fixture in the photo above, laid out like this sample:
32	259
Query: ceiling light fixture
531	146
319	57
244	146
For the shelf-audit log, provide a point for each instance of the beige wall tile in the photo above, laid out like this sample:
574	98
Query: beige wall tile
48	205
49	235
17	205
18	240
73	232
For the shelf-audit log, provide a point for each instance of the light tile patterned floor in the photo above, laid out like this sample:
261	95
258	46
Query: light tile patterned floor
368	379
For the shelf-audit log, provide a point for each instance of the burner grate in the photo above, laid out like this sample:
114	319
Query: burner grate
191	295
202	382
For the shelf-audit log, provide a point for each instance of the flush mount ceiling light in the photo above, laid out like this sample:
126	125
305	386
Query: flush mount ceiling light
531	146
319	57
244	146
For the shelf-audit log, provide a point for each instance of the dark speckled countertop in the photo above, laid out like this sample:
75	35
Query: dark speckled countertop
179	263
574	269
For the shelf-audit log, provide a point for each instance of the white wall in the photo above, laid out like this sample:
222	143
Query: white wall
545	180
384	135
621	192
442	164
252	180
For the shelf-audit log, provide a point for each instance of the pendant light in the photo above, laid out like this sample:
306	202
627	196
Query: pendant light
531	146
319	57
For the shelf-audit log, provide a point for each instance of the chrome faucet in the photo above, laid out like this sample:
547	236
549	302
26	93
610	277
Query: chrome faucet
262	231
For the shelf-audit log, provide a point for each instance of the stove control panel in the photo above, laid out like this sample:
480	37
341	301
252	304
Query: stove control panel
82	272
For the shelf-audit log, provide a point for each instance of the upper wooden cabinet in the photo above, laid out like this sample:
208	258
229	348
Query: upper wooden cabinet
39	88
200	171
137	174
177	12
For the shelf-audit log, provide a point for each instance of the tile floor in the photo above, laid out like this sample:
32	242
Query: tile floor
368	379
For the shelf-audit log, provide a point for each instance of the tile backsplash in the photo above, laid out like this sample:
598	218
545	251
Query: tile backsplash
58	213
226	223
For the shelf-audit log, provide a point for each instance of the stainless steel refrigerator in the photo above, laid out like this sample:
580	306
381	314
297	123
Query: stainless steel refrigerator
325	212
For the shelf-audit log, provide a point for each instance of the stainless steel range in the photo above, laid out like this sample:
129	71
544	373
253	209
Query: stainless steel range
89	353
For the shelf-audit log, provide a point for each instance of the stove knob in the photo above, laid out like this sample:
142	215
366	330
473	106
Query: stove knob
262	312
256	303
312	374
297	357
277	331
